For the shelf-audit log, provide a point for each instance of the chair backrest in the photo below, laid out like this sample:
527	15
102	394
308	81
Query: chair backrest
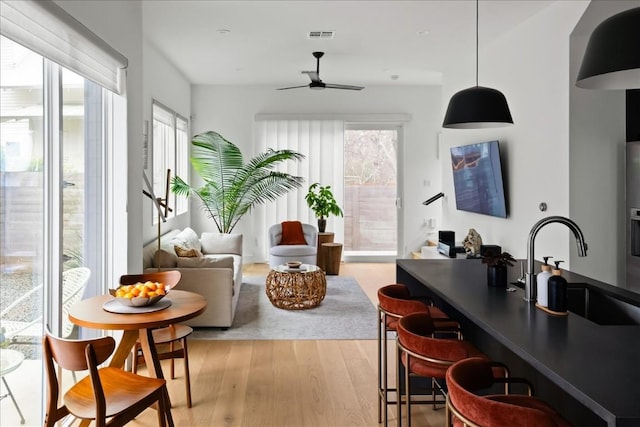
72	355
415	332
74	281
396	300
170	278
473	374
275	234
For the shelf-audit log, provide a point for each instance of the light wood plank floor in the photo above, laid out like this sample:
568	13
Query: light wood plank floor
324	383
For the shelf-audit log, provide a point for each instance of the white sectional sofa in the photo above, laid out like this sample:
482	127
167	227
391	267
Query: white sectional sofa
215	272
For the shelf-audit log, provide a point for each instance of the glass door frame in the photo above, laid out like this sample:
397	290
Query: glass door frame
399	128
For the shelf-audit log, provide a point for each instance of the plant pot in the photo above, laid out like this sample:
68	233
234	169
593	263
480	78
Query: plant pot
497	276
322	225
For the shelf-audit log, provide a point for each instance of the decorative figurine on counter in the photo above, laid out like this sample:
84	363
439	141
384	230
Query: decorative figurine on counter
472	243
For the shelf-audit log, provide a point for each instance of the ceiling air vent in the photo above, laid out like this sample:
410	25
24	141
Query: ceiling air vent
324	35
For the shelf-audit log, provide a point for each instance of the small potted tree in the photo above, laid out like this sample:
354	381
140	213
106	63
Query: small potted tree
321	201
497	264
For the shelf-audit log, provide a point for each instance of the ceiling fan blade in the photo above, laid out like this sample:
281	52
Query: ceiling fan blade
292	87
316	83
313	75
349	87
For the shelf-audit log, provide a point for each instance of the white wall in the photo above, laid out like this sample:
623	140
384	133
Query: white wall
230	110
597	158
149	76
165	84
100	17
530	65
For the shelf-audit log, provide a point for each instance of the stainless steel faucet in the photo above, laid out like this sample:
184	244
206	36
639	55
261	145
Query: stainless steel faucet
530	276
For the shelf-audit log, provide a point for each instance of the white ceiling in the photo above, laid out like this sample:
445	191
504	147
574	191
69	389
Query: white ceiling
267	42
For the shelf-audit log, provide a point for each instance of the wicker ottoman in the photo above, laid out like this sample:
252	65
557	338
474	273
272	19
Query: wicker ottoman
296	289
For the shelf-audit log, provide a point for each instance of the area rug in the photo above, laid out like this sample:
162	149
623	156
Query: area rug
345	313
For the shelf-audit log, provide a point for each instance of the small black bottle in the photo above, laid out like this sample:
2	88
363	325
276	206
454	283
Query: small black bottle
557	287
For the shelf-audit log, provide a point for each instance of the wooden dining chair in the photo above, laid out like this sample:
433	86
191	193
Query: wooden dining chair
175	336
109	396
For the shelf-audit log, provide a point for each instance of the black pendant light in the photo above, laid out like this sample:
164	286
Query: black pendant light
612	57
477	107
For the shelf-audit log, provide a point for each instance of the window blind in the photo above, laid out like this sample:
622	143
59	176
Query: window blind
49	30
322	142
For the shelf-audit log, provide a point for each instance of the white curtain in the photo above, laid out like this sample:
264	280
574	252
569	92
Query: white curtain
49	30
322	142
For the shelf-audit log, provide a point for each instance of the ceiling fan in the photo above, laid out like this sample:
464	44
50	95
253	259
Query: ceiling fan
316	83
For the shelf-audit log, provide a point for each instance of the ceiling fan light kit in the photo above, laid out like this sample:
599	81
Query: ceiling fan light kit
477	107
612	57
317	83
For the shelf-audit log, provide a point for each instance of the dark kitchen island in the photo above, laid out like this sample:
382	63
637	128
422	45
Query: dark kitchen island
589	372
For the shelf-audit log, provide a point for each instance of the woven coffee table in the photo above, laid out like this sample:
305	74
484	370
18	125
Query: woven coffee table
296	289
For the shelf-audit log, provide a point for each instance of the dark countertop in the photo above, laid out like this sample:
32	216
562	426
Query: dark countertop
597	365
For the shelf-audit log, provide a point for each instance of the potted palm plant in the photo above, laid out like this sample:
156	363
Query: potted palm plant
231	187
321	201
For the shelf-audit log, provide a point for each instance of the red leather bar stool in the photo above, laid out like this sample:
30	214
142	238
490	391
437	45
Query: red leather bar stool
395	301
424	355
466	377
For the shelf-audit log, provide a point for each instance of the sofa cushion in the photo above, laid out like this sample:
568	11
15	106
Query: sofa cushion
151	247
220	243
206	262
292	250
292	233
187	253
187	239
165	258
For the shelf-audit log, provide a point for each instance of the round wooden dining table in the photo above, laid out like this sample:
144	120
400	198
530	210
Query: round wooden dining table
89	313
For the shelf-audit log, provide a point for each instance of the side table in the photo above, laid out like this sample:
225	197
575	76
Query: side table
296	289
10	360
324	237
332	254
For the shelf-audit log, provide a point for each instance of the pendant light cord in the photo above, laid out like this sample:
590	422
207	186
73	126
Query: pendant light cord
477	1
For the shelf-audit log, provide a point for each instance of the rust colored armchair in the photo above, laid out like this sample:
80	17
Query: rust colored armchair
469	376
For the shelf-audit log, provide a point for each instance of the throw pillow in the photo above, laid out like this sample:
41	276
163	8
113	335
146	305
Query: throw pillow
188	253
205	262
292	233
164	259
188	239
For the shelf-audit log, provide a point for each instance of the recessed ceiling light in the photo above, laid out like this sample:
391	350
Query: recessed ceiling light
223	31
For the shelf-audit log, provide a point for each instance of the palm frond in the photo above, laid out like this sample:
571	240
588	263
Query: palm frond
231	187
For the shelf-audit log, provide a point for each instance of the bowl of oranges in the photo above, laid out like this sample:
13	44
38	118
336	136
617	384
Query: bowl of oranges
140	294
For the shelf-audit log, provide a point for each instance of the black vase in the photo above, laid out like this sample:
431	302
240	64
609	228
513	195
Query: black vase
497	276
322	225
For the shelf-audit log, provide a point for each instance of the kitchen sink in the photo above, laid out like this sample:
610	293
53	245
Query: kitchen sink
599	307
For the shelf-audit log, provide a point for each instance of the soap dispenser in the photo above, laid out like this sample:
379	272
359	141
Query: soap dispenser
542	280
557	288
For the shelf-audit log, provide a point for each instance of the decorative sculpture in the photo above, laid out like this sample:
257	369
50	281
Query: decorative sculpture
472	243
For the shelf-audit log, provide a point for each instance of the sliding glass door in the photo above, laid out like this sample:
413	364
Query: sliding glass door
52	210
370	183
